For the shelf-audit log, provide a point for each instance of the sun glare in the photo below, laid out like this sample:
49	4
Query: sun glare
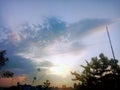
60	70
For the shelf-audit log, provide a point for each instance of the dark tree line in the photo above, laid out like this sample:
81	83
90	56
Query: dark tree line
99	74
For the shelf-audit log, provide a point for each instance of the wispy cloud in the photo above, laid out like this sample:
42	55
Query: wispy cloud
86	26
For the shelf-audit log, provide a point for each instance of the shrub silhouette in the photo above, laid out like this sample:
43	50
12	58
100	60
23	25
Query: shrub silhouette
100	73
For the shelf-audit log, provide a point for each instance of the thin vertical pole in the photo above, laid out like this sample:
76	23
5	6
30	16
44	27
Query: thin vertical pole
110	42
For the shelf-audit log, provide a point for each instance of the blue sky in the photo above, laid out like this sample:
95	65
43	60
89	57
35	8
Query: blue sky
56	36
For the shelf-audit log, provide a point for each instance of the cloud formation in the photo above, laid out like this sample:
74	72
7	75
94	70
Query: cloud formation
34	46
86	26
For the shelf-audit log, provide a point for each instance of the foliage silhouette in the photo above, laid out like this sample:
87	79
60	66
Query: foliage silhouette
3	58
38	69
100	73
47	84
34	78
7	74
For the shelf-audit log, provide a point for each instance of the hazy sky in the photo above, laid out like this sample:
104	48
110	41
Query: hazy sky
56	36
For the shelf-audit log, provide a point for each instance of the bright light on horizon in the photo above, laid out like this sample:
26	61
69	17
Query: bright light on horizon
62	71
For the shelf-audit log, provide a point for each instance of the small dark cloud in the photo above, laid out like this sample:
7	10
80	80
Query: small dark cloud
45	63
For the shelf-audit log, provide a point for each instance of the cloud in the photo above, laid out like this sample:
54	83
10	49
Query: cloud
37	46
45	64
50	30
15	37
19	65
86	26
51	37
4	34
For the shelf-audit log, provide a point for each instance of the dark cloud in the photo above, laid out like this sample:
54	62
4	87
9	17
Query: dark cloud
45	64
19	65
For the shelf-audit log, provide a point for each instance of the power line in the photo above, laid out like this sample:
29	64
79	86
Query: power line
110	42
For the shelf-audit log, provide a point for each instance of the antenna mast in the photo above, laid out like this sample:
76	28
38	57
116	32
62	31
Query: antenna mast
110	42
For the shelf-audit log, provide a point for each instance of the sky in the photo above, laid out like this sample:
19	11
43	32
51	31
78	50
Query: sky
55	36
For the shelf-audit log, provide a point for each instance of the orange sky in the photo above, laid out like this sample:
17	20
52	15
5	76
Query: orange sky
6	82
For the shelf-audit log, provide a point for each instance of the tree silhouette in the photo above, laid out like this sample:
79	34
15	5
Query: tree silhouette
38	69
34	78
7	74
99	73
3	58
47	84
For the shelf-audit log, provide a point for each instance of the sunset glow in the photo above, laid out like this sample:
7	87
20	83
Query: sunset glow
60	70
56	36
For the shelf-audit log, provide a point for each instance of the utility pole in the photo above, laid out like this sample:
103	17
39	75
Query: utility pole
110	42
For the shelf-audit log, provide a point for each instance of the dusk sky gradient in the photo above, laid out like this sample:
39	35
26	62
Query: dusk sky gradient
56	36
